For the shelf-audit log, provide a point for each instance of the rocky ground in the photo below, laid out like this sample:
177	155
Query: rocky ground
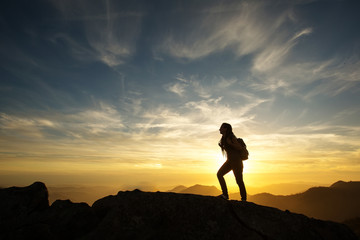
25	214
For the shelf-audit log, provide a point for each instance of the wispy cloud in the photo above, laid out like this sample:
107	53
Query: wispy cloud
204	107
336	76
329	78
178	88
85	124
134	122
205	87
245	27
110	33
273	56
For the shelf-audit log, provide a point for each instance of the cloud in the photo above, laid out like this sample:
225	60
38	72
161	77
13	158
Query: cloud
270	39
28	128
109	28
245	27
198	118
181	78
85	124
208	102
329	77
205	88
273	56
178	88
77	49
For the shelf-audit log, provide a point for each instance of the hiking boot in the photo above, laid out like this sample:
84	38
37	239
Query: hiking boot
223	196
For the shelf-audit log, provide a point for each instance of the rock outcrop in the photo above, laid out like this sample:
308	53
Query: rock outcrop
25	214
17	203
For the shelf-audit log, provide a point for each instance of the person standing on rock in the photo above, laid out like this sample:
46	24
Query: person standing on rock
231	148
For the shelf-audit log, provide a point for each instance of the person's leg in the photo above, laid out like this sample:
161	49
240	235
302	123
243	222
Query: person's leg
238	172
225	168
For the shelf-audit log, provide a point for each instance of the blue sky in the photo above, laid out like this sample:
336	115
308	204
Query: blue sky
138	89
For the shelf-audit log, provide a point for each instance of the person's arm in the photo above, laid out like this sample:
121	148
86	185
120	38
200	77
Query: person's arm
233	142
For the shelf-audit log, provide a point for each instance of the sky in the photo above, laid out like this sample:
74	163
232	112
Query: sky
132	93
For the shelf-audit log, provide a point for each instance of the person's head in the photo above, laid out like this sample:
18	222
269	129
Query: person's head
225	129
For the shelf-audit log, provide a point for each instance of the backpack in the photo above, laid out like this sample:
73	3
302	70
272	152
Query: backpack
244	153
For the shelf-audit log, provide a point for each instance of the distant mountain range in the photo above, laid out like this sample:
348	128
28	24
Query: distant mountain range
275	189
283	188
339	202
197	189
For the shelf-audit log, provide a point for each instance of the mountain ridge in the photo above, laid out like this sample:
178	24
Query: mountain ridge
197	189
25	213
339	202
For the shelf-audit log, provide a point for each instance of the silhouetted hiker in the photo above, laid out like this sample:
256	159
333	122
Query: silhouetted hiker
230	146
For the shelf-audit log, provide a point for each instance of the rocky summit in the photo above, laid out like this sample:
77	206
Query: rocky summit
25	214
